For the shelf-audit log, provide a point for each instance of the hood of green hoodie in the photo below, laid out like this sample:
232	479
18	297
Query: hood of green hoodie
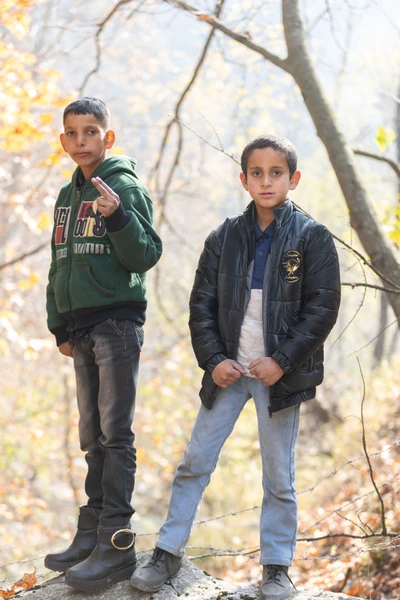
111	165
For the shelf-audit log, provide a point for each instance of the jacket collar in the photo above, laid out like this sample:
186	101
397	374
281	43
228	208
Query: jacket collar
282	215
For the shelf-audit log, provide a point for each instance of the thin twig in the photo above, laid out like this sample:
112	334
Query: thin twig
359	307
156	169
392	163
175	120
345	505
395	287
364	443
25	255
209	143
396	321
239	37
100	28
374	287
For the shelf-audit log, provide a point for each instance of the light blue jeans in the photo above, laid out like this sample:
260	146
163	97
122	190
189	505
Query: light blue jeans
278	523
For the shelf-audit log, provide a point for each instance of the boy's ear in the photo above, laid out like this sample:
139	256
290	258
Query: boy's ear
295	180
244	181
109	139
62	140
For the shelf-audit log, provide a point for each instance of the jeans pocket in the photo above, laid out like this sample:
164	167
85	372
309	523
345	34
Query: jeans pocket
139	335
119	326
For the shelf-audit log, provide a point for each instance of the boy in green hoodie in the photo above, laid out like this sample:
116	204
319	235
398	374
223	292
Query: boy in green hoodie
102	245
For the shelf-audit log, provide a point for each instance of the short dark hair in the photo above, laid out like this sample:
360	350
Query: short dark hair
89	106
278	143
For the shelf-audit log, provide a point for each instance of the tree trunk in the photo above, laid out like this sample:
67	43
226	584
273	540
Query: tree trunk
298	63
362	217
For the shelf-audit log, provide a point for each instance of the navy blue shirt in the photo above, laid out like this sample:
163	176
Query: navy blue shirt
264	241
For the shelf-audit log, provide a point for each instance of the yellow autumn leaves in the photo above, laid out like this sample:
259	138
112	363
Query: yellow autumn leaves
27	93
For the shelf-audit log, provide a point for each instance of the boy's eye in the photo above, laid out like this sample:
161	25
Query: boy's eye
277	173
92	131
70	133
256	173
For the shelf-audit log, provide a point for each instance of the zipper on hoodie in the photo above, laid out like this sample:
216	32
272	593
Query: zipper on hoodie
79	194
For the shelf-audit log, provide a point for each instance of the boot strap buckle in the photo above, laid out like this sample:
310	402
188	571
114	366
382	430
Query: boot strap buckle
123	531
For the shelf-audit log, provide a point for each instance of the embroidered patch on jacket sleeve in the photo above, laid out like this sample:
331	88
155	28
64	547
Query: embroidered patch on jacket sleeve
291	267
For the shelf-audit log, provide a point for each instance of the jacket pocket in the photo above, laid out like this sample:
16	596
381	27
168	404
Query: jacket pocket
96	284
59	285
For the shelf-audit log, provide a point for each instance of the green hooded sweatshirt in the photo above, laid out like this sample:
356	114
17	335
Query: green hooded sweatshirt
98	264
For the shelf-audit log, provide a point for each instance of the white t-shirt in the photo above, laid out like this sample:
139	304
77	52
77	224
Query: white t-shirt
251	340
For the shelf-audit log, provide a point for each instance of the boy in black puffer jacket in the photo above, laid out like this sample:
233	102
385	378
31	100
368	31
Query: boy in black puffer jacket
103	243
265	297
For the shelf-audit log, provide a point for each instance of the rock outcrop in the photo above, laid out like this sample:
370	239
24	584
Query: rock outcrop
190	584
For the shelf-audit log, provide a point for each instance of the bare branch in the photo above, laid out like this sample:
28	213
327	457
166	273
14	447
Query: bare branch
392	163
220	149
345	505
395	289
25	255
175	120
396	321
364	443
359	307
365	261
357	525
370	285
238	37
100	28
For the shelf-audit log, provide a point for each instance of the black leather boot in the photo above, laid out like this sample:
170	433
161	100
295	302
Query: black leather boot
112	560
82	545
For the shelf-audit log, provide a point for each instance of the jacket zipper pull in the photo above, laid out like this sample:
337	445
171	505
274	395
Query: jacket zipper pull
270	411
78	195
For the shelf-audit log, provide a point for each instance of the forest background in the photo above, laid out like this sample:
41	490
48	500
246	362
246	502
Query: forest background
187	87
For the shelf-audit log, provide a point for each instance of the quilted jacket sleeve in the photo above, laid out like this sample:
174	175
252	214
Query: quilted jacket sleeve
320	302
203	320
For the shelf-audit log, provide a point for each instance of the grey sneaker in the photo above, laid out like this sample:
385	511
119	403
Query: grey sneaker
161	567
276	583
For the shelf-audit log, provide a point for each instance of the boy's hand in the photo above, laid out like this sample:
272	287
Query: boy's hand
108	201
66	349
227	372
266	370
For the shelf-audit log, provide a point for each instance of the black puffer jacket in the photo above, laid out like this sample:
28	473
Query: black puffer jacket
302	287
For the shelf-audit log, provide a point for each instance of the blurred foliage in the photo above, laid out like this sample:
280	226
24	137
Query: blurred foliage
28	93
385	137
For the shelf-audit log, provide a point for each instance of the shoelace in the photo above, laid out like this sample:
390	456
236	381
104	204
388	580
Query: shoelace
169	582
158	555
274	573
155	559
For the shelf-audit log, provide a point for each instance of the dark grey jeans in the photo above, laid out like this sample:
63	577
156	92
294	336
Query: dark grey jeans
106	368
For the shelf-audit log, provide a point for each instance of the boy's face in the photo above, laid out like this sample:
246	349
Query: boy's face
268	179
86	141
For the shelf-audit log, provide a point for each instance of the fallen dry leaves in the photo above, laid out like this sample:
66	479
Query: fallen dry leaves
27	581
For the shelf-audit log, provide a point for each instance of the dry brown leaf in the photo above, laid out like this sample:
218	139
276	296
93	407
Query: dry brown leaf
26	581
204	17
6	593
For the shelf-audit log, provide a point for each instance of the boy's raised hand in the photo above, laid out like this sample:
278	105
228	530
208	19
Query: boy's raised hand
227	372
266	369
108	201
